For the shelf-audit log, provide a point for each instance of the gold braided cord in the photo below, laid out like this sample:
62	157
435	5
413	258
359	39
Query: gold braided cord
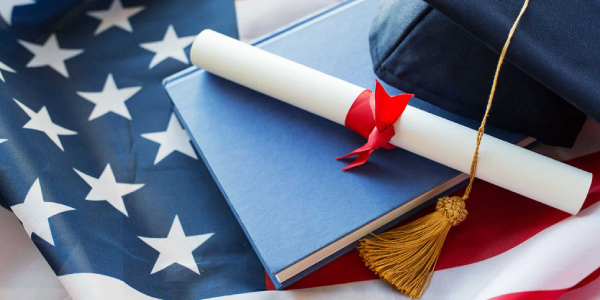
490	99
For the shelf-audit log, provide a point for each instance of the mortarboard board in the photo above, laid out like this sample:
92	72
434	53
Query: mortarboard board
447	56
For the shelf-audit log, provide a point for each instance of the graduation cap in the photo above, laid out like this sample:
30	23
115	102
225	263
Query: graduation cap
445	52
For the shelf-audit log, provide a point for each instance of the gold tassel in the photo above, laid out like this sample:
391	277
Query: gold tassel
406	256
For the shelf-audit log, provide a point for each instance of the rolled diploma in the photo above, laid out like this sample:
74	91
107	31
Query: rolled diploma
501	163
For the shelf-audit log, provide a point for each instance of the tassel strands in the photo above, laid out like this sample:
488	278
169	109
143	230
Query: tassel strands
406	256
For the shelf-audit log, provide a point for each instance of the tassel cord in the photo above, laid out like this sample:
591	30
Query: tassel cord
491	99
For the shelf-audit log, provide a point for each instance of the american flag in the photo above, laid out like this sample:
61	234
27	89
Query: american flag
108	187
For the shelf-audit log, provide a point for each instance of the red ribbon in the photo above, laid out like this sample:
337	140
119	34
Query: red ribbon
373	115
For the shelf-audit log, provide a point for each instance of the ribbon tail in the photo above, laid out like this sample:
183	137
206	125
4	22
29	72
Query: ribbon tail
363	157
357	151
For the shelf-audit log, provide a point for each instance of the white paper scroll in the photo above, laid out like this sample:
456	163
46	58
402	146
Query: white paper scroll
501	163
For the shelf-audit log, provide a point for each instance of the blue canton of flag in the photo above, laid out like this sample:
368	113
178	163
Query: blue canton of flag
95	164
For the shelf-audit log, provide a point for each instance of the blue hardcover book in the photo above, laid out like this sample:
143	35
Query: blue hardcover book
276	164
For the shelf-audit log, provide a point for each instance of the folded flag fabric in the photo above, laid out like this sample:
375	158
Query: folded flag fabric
95	164
121	208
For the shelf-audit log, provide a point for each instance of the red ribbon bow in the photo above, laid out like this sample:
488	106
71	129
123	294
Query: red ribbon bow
373	115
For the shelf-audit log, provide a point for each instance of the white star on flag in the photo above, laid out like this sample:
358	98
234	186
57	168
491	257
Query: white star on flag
176	248
115	16
175	138
3	140
6	8
106	188
171	46
5	68
41	121
34	212
110	99
50	54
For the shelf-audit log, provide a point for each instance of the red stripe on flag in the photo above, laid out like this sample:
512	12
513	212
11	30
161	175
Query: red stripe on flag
534	295
548	295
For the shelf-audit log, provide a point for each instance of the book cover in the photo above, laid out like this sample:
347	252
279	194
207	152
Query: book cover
276	166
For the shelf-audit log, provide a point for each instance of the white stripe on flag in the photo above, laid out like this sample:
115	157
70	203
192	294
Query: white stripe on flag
24	273
90	286
256	18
